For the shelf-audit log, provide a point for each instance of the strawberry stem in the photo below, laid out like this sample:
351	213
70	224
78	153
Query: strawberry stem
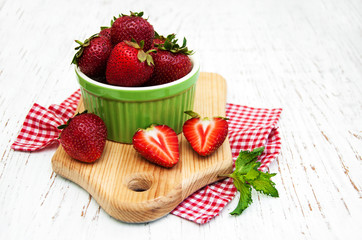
170	44
141	55
70	119
81	47
192	114
79	42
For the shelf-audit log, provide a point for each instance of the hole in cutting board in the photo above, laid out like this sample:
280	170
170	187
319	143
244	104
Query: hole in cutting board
139	183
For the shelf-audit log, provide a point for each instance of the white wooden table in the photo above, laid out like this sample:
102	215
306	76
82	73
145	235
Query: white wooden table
303	56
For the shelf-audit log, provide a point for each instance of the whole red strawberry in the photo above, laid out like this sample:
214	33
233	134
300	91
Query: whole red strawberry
105	32
84	137
128	65
205	135
158	144
92	55
171	61
132	27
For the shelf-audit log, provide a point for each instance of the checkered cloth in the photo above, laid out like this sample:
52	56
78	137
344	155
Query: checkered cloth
40	126
249	128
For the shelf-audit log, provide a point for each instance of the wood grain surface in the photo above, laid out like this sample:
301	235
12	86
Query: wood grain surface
304	56
130	188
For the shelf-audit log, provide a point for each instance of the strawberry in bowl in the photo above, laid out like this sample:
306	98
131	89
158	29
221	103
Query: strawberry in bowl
127	109
136	88
133	26
129	65
170	59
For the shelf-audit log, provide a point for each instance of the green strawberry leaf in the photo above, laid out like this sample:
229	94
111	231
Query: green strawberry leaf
81	47
142	43
136	14
142	56
149	60
157	36
171	45
184	43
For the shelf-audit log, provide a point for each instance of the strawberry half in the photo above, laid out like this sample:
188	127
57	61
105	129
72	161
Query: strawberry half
205	135
158	144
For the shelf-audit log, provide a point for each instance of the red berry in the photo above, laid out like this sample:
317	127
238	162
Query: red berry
205	135
169	67
128	65
84	137
171	60
106	33
93	55
132	27
160	39
158	144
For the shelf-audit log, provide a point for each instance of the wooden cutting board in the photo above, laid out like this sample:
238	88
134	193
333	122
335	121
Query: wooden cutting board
131	189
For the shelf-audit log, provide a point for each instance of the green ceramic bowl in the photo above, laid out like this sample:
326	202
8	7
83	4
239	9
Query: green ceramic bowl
126	109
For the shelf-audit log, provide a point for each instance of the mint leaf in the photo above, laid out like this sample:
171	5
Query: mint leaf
252	174
245	196
245	160
264	185
246	175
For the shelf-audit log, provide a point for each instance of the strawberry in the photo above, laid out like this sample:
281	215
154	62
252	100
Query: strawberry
132	27
83	137
158	144
160	39
205	135
171	61
105	32
128	65
92	55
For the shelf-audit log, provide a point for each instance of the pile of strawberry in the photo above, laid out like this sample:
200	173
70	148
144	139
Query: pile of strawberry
131	54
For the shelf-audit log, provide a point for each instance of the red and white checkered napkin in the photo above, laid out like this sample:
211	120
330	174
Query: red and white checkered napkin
40	126
249	128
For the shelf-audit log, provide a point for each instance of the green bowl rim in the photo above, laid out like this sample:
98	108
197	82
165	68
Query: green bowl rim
139	93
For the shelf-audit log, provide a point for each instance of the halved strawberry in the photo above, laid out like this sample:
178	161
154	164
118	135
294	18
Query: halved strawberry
158	144
205	135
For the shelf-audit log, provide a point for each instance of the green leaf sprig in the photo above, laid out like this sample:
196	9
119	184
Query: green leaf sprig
246	175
